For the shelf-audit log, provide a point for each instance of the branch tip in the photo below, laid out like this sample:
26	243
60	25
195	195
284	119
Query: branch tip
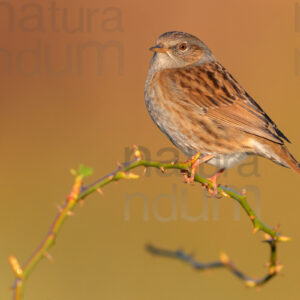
284	238
137	153
224	258
250	283
15	265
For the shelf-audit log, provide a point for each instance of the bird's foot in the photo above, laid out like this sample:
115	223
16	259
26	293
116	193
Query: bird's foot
213	179
194	166
194	163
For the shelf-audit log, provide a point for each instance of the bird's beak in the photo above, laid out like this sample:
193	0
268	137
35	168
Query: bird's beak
158	48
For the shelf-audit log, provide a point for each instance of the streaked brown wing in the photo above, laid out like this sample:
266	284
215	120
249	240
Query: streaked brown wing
210	88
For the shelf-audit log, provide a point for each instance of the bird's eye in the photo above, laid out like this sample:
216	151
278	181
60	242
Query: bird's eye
182	46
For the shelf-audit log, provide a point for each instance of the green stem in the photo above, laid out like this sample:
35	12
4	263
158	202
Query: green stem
123	172
257	223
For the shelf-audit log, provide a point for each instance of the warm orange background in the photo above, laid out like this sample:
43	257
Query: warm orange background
50	124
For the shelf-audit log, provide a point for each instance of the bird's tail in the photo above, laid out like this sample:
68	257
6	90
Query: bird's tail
287	159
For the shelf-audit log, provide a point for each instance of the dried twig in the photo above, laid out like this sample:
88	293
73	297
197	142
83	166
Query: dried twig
224	262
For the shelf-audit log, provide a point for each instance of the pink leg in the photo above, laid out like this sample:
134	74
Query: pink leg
195	162
214	179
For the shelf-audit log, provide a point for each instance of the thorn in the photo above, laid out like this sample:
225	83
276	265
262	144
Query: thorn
81	202
272	270
73	172
278	268
120	165
59	208
110	177
70	213
252	217
137	153
243	192
172	163
145	170
49	256
162	169
224	258
100	191
255	230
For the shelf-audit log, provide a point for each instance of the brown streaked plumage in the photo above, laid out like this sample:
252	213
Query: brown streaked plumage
197	103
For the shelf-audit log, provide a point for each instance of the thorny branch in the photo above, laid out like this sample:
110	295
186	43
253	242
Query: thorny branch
79	193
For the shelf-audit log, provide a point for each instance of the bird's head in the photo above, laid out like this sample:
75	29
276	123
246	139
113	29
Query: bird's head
177	49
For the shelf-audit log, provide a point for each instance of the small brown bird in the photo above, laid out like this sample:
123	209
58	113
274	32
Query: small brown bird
204	111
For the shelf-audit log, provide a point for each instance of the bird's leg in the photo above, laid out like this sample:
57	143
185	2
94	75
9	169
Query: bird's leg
195	161
214	179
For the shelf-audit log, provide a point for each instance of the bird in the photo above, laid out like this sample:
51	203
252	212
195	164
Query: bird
204	111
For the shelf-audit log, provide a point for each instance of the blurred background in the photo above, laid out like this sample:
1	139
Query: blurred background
72	80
